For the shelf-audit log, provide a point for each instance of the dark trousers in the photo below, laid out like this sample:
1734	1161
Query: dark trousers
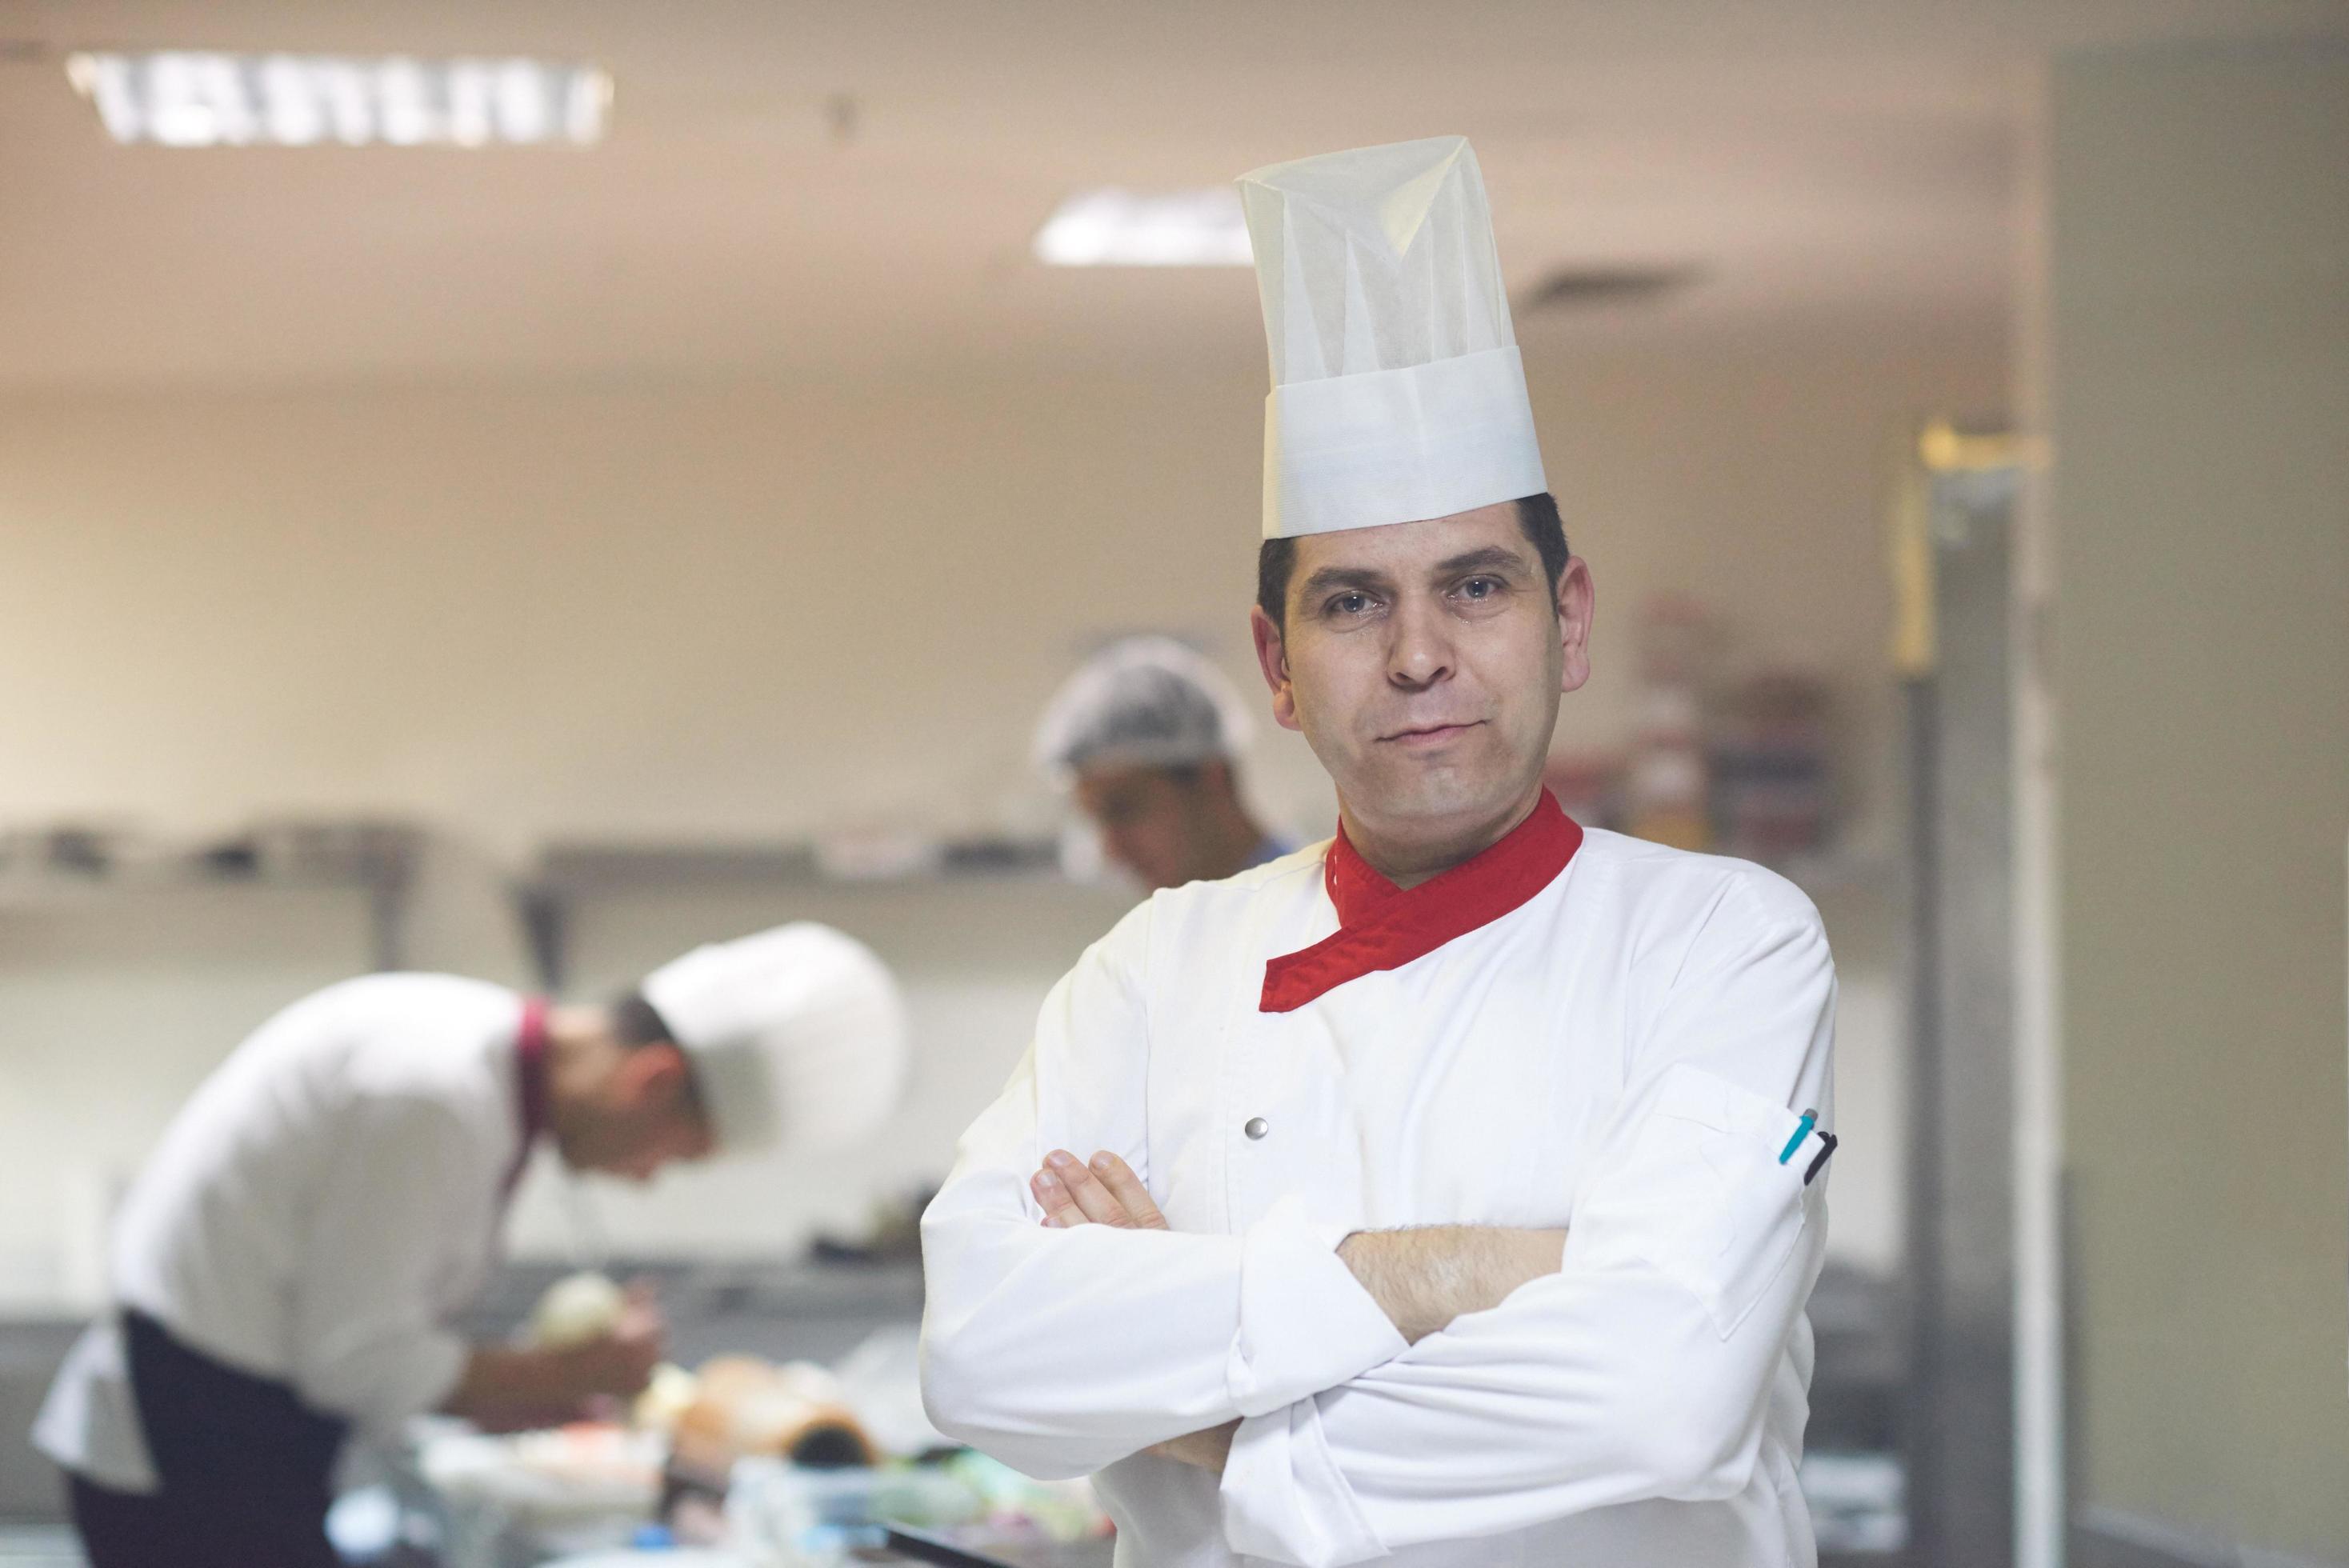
246	1469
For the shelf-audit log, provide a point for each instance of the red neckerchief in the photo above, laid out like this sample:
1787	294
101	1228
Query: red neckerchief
1383	926
530	1082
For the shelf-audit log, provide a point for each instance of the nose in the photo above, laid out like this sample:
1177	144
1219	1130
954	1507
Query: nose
1419	649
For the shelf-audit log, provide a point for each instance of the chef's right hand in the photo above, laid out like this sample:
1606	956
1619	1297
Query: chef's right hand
619	1364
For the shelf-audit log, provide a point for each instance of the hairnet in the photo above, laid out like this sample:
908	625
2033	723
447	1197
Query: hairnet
1142	701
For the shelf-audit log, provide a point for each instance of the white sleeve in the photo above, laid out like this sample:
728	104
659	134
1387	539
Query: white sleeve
1642	1369
1061	1351
367	1344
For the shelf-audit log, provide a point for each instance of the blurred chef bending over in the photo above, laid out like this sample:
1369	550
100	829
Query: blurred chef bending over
285	1267
1146	736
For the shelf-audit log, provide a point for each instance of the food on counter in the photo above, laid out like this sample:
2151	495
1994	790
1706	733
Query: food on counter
1013	1504
758	1465
666	1397
557	1479
743	1406
575	1309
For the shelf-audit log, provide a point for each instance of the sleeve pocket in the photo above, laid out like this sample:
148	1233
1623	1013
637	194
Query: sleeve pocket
1699	1194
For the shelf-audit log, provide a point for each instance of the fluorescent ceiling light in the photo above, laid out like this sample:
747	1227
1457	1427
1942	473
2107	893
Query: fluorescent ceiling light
183	98
1120	228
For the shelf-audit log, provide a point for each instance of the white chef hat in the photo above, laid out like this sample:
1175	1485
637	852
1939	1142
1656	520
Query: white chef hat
1397	389
796	1035
1146	702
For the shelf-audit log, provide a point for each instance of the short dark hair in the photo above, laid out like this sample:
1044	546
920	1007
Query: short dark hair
1537	517
636	1022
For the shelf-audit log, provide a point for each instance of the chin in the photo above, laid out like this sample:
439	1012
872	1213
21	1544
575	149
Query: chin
1432	801
1461	773
1438	792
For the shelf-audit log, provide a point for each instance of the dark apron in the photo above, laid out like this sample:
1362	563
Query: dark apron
245	1468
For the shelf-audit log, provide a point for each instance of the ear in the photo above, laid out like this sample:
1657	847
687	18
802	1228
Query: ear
1576	600
1272	658
654	1077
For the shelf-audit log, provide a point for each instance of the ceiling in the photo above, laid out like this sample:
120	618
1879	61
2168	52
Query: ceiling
1850	159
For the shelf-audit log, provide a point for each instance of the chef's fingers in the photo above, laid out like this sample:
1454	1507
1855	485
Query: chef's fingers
1060	1209
1083	1186
642	1343
642	1339
1127	1189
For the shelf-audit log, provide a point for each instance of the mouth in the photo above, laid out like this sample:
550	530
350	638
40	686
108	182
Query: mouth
1426	737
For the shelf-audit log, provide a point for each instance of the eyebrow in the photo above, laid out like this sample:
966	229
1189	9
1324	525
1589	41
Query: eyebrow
1330	579
1490	558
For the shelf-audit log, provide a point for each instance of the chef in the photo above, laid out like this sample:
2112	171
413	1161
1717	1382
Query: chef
1450	1191
285	1267
1147	738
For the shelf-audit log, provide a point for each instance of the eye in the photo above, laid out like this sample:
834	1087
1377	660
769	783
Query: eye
1351	604
1480	588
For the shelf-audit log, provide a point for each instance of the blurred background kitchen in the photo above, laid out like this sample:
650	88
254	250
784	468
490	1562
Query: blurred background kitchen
657	498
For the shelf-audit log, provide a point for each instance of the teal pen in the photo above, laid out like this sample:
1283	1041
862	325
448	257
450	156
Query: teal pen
1810	1119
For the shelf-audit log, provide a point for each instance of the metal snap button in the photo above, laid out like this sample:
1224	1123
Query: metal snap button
1256	1127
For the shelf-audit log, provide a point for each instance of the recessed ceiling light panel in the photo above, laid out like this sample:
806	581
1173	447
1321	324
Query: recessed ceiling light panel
1121	229
186	99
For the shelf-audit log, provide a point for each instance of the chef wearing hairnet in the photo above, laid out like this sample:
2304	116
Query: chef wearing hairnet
1147	738
286	1265
1450	1191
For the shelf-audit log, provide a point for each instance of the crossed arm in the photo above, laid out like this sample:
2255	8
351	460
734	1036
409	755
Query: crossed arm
1353	1390
1422	1278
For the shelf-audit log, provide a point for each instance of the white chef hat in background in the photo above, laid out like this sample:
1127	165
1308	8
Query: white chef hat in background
1398	392
797	1035
1145	701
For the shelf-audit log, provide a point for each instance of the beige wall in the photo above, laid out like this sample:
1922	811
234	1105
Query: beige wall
2199	231
747	608
739	609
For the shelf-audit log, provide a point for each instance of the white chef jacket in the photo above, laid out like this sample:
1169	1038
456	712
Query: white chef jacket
315	1214
1619	1055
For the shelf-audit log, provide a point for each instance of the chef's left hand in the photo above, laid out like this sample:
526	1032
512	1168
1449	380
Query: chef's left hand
1106	1192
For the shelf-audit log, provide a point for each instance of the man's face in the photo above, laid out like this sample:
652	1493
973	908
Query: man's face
1148	819
644	1116
1423	663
